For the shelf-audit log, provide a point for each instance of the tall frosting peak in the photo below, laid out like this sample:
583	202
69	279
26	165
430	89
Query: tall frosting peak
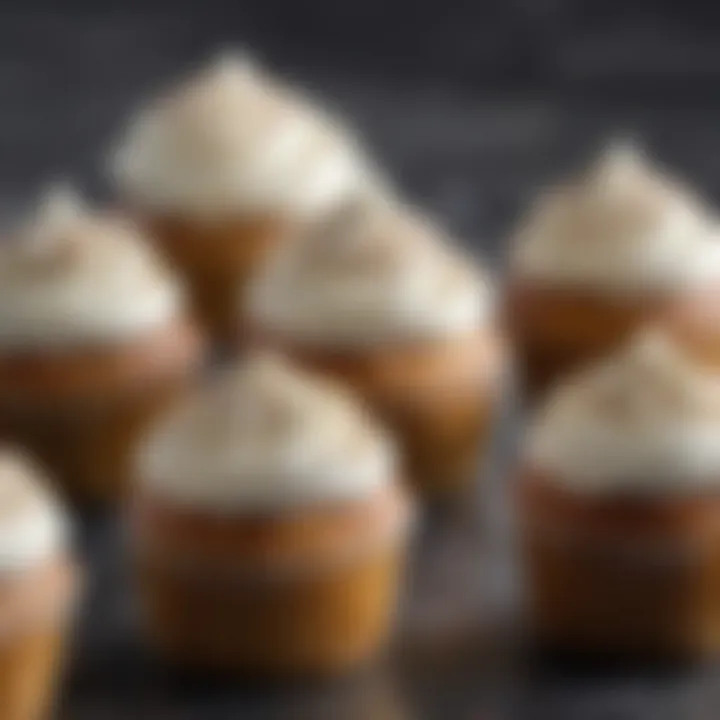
71	274
234	138
265	435
647	418
625	226
374	271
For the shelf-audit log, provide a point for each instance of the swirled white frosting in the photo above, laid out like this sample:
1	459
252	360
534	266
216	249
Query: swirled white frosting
625	228
33	526
234	140
372	272
71	276
266	436
646	420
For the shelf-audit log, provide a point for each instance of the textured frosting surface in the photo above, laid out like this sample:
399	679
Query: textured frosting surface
265	436
626	227
71	276
373	272
233	139
646	420
33	526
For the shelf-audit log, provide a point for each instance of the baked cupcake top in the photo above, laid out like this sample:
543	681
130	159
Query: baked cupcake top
72	276
624	228
646	420
235	139
266	436
373	272
33	526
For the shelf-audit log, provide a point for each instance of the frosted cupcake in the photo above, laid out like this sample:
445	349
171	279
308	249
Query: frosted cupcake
598	259
222	164
267	527
376	297
620	510
37	591
93	340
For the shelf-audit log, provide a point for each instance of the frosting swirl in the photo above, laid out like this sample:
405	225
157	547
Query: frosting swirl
646	420
33	526
372	272
266	436
73	276
234	139
625	228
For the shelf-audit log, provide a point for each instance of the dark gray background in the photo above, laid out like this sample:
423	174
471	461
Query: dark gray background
473	106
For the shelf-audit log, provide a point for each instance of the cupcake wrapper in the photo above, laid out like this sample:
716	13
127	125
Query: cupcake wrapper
607	584
309	623
217	260
86	444
32	641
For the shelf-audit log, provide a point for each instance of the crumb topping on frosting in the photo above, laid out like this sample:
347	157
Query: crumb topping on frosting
647	419
72	275
371	272
626	227
266	435
233	138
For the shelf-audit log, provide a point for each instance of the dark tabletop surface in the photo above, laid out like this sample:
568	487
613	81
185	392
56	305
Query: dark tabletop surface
472	109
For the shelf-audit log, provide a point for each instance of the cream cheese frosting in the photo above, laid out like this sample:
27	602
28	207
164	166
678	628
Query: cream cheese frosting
33	525
71	276
234	139
266	436
646	420
372	272
624	228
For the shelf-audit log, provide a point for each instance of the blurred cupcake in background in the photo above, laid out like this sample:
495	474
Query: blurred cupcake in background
93	340
38	589
268	527
619	507
221	165
599	258
376	297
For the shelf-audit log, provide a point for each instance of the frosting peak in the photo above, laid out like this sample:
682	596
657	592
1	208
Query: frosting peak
648	418
372	271
266	435
235	139
72	275
625	227
33	527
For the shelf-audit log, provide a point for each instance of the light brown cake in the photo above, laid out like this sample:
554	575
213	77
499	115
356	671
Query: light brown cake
220	168
93	342
38	588
599	259
268	533
619	512
375	298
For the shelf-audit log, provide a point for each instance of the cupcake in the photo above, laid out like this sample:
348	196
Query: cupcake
267	527
93	341
619	507
600	258
373	296
38	584
221	165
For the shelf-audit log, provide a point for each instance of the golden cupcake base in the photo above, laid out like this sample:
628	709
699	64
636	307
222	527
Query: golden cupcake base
316	624
628	578
80	413
694	323
557	332
29	665
438	399
296	594
216	260
32	640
